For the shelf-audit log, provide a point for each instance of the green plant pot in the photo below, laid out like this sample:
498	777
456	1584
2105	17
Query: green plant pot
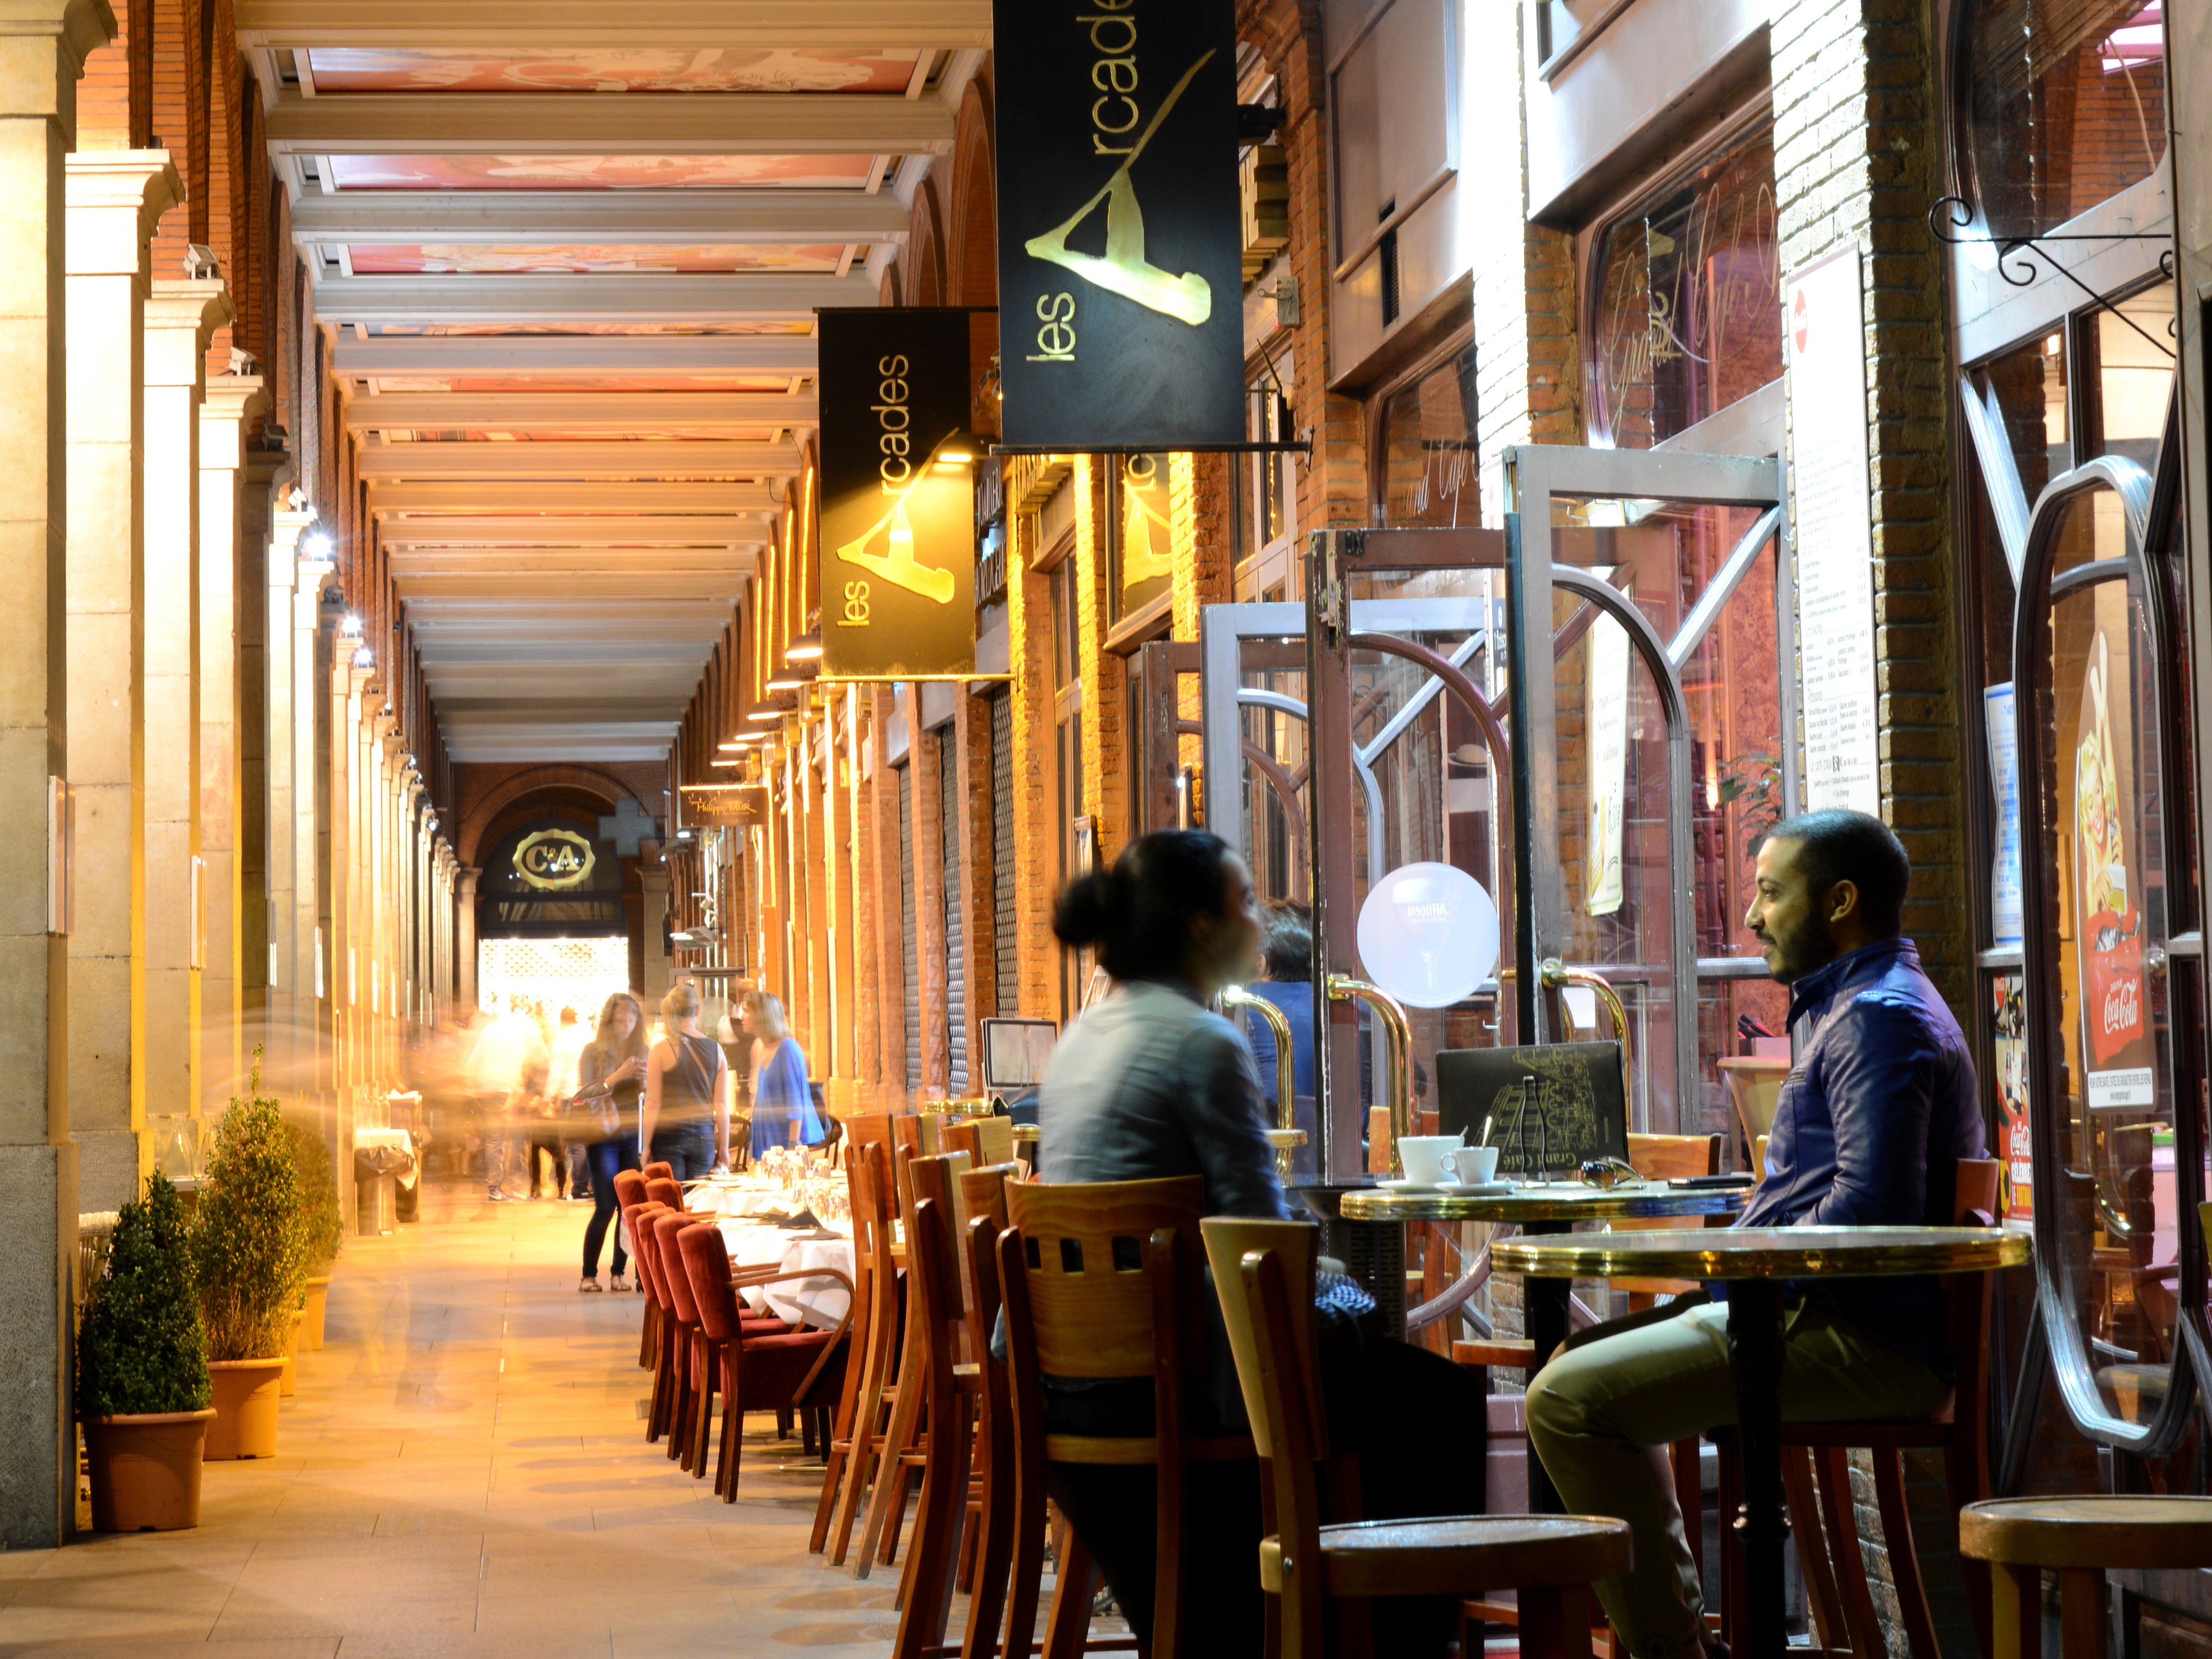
245	1423
311	1318
145	1470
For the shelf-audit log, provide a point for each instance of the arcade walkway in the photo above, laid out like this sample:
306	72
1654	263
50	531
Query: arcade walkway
463	1473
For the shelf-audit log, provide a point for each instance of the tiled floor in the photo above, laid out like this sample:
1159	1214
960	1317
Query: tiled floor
463	1472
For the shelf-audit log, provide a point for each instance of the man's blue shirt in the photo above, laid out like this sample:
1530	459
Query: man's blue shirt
1878	1106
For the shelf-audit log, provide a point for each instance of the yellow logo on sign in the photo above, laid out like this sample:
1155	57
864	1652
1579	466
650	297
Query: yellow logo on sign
553	860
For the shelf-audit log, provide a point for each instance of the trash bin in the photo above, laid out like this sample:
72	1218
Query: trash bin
376	1173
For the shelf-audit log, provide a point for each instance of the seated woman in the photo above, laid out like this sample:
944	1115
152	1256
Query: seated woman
1149	1082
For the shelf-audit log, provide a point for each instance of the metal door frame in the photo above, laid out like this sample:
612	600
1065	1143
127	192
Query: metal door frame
1536	475
2047	1039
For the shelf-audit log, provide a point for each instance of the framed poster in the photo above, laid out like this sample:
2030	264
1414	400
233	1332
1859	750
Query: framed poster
1121	242
898	495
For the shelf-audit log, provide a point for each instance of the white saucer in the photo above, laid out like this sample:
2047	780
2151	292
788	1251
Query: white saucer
1412	1186
1478	1189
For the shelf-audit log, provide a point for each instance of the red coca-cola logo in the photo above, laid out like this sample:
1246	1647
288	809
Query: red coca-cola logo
2114	944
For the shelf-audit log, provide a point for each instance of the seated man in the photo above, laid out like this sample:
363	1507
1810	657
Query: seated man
1878	1109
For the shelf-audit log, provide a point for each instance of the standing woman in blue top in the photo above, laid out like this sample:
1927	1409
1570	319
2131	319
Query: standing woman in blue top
783	1102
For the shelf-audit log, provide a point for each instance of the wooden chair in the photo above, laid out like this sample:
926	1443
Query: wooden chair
898	1455
1266	1302
1816	1476
983	1218
987	1141
864	1330
783	1370
1102	1281
875	1210
937	1306
2017	1539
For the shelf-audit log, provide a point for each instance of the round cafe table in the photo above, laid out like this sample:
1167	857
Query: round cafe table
1544	1209
1759	1265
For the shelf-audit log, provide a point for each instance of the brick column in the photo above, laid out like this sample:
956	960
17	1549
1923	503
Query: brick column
979	964
1858	144
1105	769
231	400
1029	622
114	200
890	952
465	935
924	774
43	44
181	317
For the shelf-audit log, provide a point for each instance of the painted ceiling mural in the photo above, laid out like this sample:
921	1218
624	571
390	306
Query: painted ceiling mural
601	171
351	69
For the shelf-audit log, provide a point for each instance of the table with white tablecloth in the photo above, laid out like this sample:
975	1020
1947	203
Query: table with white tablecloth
820	1303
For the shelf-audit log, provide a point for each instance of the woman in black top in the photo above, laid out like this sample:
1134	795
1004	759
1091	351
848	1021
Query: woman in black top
687	1093
617	1057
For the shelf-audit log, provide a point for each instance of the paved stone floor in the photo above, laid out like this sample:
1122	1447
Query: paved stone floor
463	1472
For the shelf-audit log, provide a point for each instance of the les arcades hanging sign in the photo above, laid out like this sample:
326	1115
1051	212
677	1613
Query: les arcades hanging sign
898	495
1121	275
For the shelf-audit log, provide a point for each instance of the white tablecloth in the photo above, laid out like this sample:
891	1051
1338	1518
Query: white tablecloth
820	1303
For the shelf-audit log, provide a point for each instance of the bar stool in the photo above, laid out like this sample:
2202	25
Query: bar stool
2078	1538
1549	1560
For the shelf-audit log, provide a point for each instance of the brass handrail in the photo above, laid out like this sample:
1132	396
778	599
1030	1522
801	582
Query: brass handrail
1286	1134
1397	1052
1554	974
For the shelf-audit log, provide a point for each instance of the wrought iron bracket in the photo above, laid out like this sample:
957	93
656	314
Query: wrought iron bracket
2025	250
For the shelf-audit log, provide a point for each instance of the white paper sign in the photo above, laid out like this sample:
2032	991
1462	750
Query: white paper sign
1825	350
2006	923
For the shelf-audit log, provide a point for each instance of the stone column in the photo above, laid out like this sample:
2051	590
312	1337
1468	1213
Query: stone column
180	318
43	44
652	880
115	198
291	974
465	935
231	400
307	720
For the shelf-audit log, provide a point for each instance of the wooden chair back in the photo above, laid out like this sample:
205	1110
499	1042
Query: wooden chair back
630	1189
1290	1425
663	1189
1229	1241
936	1176
659	1170
958	1135
1666	1157
1090	1271
669	1228
982	1195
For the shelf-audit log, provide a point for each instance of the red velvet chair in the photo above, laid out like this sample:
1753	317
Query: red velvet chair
629	1194
679	1351
794	1370
661	1171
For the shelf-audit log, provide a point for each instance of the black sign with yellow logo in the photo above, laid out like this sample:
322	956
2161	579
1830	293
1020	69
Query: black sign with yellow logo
1121	274
898	496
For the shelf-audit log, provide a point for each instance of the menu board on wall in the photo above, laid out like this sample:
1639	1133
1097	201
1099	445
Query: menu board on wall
898	497
1825	353
1120	240
2108	930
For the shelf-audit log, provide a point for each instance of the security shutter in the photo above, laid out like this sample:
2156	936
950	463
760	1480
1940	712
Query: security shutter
1002	856
906	928
955	960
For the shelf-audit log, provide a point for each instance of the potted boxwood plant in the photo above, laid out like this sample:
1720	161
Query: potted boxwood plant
319	1207
250	1245
143	1392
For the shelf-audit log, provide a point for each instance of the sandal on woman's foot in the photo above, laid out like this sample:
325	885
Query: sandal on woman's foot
619	1283
591	1284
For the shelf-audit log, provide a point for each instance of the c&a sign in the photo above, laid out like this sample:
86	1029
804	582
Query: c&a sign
898	498
1120	277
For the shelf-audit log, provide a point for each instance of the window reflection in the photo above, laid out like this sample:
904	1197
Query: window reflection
2066	107
2128	355
1428	469
1687	298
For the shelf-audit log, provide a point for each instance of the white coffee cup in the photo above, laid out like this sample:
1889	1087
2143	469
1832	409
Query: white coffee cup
1477	1165
1427	1159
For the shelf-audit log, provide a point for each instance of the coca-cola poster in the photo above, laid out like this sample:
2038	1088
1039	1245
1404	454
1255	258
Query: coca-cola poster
2108	931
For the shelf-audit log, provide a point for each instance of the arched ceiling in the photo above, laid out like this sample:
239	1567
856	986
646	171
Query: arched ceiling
572	251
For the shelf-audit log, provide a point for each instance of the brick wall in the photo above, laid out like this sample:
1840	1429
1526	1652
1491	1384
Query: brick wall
1857	143
1028	612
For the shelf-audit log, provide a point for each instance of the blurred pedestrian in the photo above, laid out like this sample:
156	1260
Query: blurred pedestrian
570	1038
783	1099
686	1119
615	1057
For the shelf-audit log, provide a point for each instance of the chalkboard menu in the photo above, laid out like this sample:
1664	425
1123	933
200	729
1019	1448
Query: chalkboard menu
1552	1107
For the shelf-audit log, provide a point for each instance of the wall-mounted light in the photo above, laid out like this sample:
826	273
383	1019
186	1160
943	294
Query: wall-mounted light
807	647
350	627
364	658
786	681
316	545
765	716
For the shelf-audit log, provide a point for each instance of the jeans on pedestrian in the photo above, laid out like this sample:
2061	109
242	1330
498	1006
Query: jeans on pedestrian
607	1158
547	1141
688	1148
579	1155
499	1153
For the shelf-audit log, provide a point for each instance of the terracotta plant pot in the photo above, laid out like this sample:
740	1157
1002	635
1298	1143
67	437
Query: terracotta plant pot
244	1408
145	1470
288	1382
311	1321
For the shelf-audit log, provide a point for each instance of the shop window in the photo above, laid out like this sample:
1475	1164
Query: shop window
1426	461
2065	106
1266	490
1142	544
1686	294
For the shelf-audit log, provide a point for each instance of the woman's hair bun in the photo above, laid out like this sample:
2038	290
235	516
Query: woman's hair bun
1086	910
